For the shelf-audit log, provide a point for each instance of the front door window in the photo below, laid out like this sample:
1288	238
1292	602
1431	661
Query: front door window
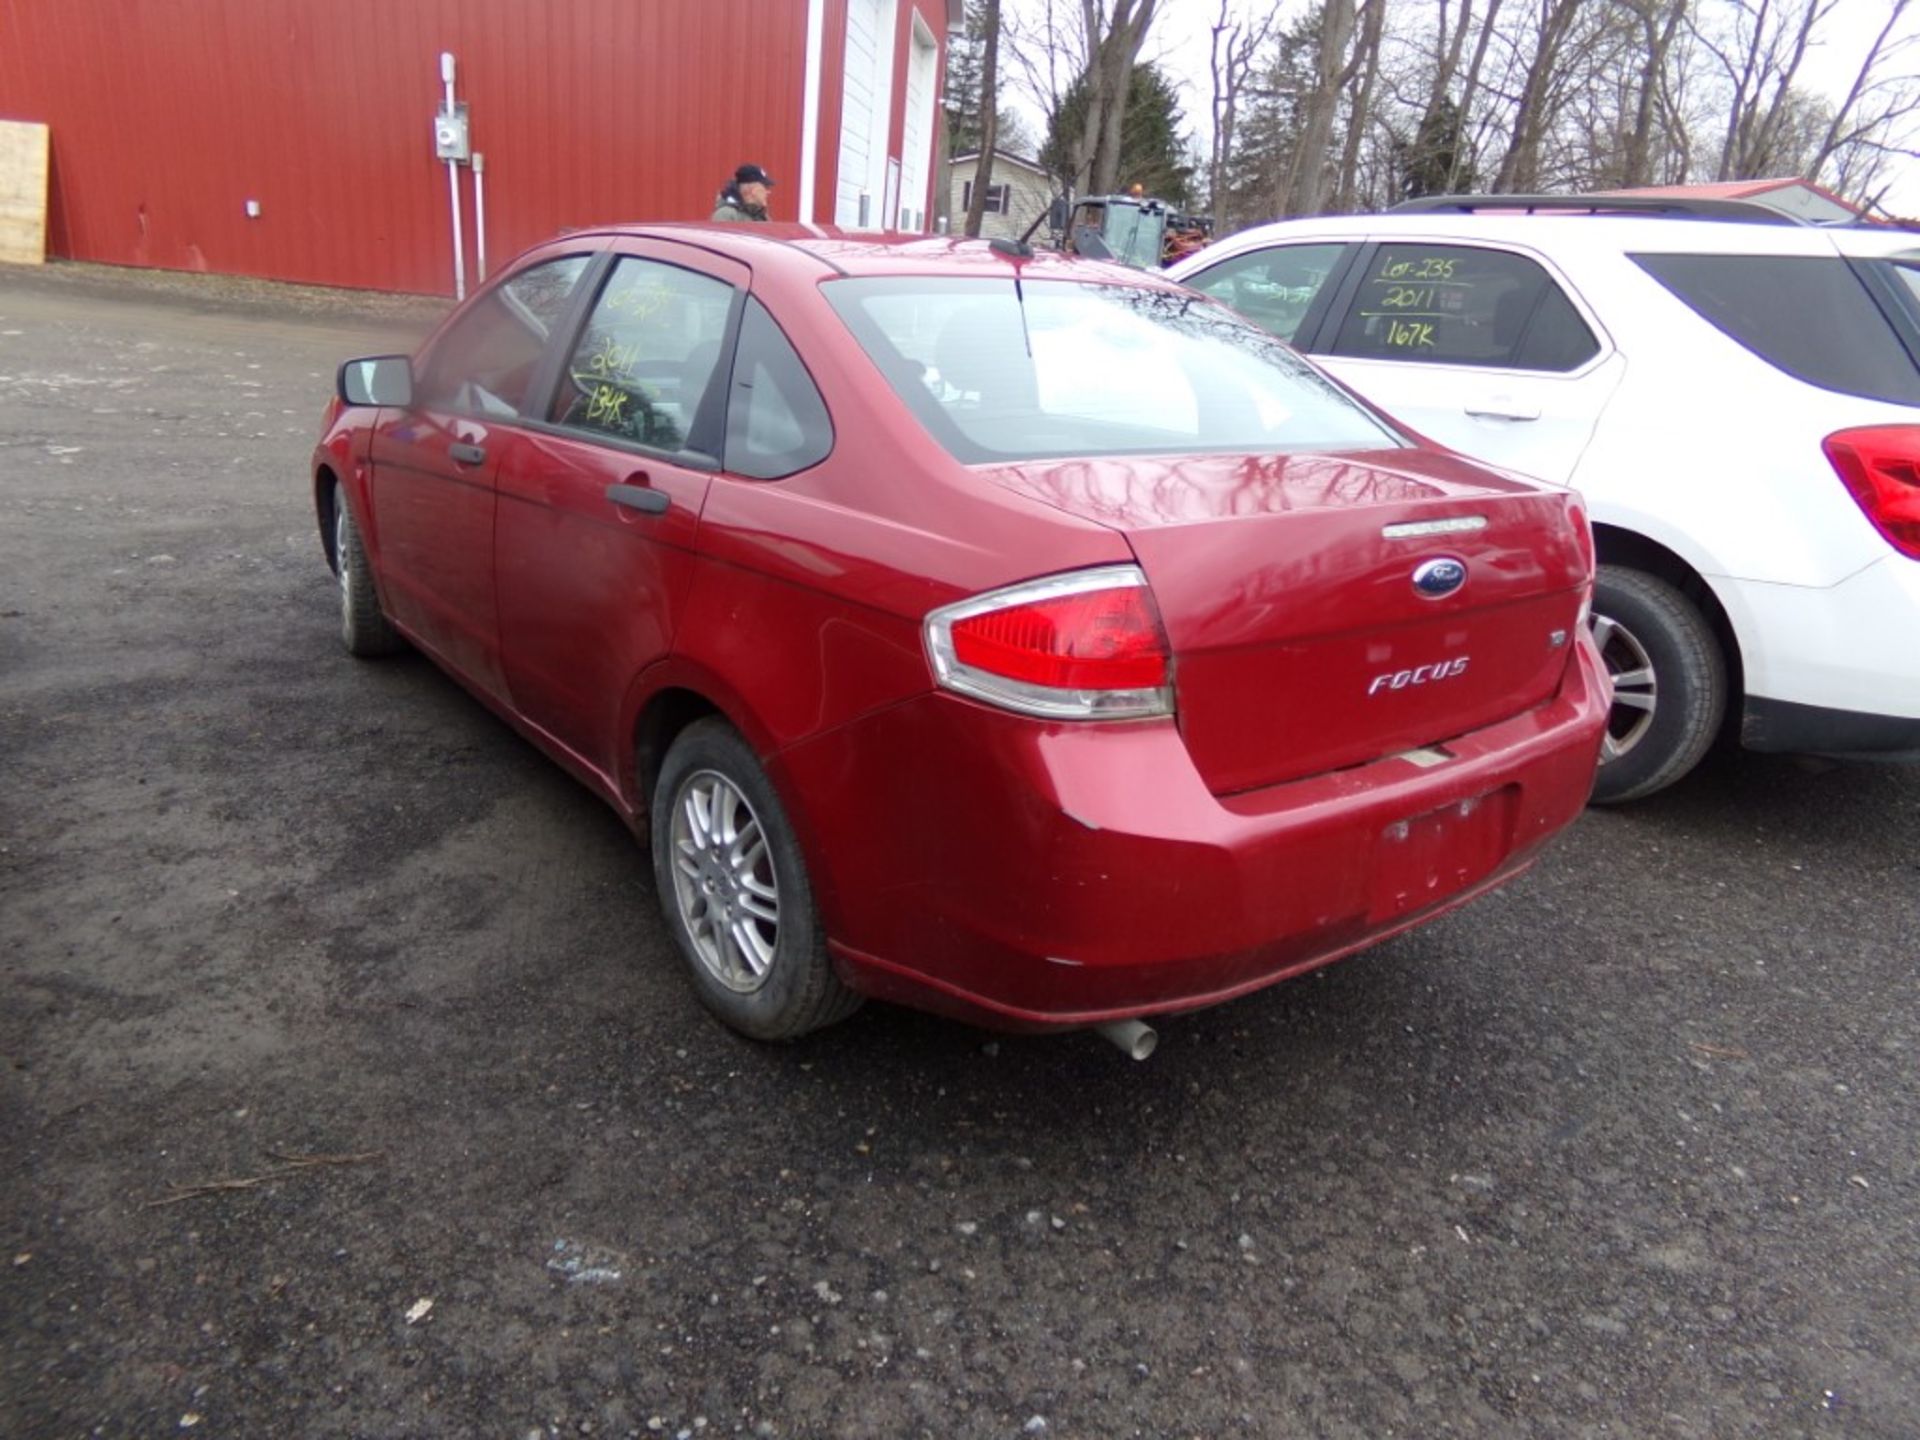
485	362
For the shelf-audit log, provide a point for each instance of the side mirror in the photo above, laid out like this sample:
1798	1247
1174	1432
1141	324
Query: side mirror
377	380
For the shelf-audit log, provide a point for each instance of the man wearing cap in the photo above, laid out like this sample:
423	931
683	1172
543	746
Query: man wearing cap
745	198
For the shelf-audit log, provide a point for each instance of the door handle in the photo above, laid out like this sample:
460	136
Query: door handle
1502	407
464	454
639	497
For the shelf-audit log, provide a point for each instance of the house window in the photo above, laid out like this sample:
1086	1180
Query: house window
997	198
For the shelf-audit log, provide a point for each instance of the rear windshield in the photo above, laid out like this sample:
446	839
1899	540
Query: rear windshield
1810	316
1055	368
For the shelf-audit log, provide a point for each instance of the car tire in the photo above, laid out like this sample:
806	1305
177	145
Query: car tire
742	914
1670	683
364	627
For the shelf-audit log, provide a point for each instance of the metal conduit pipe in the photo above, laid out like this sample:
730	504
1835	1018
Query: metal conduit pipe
479	216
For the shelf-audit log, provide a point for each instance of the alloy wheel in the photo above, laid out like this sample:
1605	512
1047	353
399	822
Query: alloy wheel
1635	687
341	564
723	881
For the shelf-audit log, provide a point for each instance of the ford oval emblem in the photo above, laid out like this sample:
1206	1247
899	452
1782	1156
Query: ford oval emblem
1440	576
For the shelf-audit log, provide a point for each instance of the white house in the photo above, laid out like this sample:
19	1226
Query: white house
1017	191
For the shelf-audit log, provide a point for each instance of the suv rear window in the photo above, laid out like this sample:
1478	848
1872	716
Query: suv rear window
1807	315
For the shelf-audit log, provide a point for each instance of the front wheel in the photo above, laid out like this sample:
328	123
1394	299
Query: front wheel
734	890
364	628
1669	683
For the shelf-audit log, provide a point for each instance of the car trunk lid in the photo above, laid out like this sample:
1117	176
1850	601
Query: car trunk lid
1325	611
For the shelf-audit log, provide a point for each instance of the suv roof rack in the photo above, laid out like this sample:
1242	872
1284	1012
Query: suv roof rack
1674	207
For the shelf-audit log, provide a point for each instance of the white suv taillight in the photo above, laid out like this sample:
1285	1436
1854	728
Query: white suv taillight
1082	646
1880	465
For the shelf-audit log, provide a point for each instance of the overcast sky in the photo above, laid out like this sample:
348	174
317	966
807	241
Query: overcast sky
1180	44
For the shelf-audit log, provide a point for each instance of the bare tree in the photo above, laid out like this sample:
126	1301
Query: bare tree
1659	23
1880	104
1114	40
1533	114
1306	188
1761	59
1567	95
989	115
1047	51
1365	65
1449	50
1236	45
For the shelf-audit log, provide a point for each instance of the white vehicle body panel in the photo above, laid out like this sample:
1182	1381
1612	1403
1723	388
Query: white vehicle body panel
1678	434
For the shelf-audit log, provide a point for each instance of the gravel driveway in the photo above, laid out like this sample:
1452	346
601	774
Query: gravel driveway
350	1088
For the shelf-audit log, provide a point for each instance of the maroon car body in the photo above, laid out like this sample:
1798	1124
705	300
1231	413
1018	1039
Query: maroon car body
1337	752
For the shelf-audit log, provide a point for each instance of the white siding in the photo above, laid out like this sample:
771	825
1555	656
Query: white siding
1029	193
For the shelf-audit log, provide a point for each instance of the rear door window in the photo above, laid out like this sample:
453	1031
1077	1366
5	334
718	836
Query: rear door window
1460	305
1274	288
1808	315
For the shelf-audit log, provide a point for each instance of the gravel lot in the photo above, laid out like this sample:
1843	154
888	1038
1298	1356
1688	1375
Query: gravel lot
1627	1150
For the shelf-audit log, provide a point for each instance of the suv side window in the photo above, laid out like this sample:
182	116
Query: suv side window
647	356
1458	305
777	423
484	364
1807	315
1274	288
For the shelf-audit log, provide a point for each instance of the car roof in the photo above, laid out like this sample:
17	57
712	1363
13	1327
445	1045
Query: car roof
826	248
1565	235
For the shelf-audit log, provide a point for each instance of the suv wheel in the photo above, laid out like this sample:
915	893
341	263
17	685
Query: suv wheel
1669	683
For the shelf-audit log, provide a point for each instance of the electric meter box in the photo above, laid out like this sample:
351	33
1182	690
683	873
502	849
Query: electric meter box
450	140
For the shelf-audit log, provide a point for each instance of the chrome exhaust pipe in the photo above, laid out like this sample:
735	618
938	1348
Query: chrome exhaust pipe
1132	1036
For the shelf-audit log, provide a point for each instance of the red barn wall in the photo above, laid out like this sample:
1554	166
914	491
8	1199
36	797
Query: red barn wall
168	115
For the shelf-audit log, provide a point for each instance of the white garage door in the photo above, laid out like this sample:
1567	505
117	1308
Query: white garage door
916	144
864	110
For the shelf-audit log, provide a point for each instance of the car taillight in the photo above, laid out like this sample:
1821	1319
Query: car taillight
1082	646
1880	465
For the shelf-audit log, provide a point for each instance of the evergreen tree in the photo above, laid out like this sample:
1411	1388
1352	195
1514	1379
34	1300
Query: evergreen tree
964	63
1258	171
965	57
1153	152
1438	160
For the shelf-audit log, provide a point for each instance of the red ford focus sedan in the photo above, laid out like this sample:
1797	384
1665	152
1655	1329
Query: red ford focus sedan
1025	639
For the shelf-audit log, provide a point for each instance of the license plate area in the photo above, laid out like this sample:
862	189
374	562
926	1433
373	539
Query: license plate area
1421	861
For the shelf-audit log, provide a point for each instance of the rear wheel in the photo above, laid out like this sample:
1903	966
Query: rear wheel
1669	683
734	889
364	629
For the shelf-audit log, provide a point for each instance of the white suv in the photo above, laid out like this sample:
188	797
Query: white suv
1736	394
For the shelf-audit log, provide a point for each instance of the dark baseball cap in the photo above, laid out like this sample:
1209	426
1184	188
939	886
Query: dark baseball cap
752	175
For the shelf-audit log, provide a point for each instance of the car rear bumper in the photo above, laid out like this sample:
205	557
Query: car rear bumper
1846	649
1026	875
